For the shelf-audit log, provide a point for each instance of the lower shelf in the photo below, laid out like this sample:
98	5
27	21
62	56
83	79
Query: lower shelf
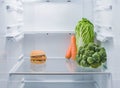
56	73
61	85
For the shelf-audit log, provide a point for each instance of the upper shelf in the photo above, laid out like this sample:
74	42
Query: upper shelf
26	1
48	32
54	66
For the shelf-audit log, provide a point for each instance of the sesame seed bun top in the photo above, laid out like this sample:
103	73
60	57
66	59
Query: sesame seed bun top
37	53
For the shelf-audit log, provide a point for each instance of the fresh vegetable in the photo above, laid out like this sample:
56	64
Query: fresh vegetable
91	55
72	50
84	32
73	47
68	53
84	64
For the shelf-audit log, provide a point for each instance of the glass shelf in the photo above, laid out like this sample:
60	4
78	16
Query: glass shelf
54	66
42	1
57	72
49	32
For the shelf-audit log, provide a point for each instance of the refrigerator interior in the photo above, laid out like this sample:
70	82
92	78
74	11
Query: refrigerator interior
47	25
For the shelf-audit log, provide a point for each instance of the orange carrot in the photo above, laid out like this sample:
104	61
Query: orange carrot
73	47
68	53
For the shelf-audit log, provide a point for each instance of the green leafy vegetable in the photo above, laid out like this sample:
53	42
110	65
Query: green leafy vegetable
84	32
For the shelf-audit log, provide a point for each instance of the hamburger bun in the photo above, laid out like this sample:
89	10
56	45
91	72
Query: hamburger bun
38	57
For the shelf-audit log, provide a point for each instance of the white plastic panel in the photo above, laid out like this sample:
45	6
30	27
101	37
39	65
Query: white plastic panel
15	82
103	18
2	46
60	85
81	83
3	67
116	84
3	60
65	81
55	1
13	17
3	84
88	9
13	52
115	53
54	44
55	16
2	19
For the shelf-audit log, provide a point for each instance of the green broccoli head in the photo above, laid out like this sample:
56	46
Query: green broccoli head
77	58
91	55
84	57
96	57
88	53
84	63
81	51
97	45
81	47
102	52
103	49
97	49
95	65
90	60
103	60
92	52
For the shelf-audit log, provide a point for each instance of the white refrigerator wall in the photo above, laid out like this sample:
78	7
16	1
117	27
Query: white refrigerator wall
3	67
2	27
115	61
55	15
10	49
116	30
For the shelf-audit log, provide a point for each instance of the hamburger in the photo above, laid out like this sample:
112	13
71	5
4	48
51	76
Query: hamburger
38	57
